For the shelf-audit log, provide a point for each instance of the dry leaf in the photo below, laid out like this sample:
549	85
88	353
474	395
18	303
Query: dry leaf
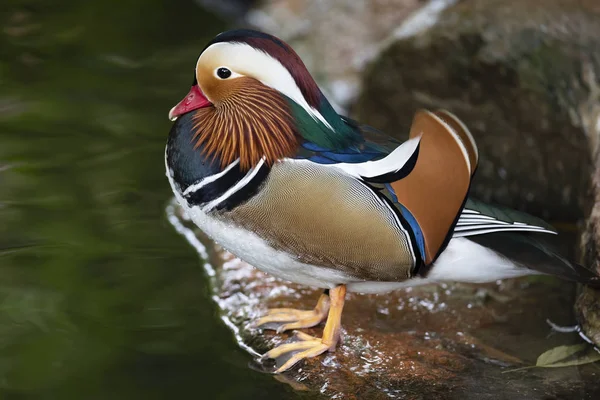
564	356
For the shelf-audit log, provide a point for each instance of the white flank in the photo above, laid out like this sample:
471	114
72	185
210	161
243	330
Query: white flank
239	185
462	261
209	179
244	59
467	261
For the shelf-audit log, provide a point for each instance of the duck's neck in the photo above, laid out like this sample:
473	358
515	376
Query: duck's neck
330	132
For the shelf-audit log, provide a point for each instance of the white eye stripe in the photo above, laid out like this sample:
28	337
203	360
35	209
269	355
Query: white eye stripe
261	66
233	73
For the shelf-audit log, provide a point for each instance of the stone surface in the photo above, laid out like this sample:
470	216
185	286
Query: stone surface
588	302
443	342
523	75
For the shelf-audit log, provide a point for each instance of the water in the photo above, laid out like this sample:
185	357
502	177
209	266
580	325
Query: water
99	296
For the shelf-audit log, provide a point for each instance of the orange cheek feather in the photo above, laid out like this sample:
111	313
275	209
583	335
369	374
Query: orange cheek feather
249	121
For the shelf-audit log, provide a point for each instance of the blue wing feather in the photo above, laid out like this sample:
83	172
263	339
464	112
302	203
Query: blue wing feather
373	146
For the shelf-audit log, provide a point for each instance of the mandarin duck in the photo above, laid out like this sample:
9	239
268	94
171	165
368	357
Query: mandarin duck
264	165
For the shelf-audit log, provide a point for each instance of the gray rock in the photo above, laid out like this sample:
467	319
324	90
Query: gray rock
524	76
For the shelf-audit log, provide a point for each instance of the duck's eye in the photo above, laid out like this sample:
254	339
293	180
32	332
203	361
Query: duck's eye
223	73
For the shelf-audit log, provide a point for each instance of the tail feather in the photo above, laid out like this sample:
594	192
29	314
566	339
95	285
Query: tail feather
536	252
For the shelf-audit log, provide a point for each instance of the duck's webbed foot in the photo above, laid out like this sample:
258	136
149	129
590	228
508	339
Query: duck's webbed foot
284	319
306	346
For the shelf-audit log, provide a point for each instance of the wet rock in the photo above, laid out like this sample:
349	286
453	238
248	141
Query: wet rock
524	76
588	302
443	342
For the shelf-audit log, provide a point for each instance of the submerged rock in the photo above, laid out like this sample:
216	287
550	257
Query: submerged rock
525	77
440	342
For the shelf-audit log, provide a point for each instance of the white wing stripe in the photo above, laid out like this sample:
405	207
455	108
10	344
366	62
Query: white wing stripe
473	223
474	217
483	226
509	228
470	223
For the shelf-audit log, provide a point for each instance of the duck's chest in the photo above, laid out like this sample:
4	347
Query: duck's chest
317	232
258	252
205	206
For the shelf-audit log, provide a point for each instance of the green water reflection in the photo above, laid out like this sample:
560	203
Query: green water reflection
99	297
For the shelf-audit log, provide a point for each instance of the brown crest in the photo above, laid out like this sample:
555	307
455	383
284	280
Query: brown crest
253	121
283	53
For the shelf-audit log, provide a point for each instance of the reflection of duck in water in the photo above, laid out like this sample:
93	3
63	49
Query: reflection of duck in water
264	165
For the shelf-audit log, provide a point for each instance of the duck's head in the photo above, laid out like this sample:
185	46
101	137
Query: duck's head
254	99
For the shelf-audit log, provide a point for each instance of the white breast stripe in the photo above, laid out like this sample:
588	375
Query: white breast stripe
205	181
235	188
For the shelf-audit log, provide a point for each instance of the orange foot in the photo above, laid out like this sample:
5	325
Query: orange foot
309	346
283	319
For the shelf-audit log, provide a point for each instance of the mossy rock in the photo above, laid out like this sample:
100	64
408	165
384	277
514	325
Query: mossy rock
524	77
